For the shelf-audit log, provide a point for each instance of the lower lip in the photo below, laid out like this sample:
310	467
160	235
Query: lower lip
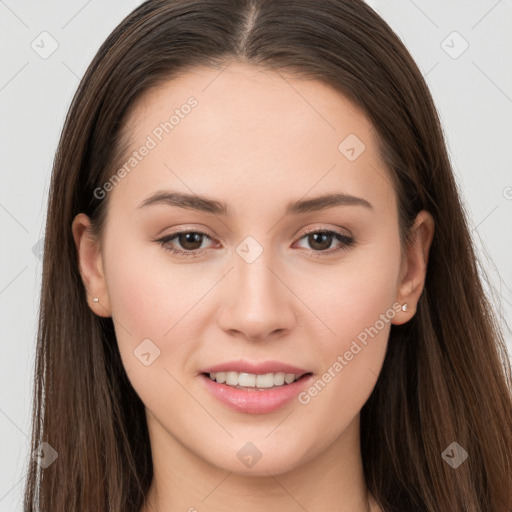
254	401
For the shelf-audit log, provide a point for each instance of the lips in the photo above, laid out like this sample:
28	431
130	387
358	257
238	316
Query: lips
251	400
262	368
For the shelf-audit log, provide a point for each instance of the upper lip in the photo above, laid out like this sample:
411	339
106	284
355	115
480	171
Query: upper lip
261	368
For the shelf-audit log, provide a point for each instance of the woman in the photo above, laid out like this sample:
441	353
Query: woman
259	289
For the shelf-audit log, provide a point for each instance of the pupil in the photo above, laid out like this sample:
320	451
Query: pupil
316	240
319	245
190	238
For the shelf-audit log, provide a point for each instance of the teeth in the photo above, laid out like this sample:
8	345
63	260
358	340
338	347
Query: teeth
250	380
232	378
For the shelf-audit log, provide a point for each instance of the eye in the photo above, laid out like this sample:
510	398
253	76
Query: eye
191	241
319	240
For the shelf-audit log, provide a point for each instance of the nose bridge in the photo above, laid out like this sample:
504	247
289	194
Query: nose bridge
259	303
255	282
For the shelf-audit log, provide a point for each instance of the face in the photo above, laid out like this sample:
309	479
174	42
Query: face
253	278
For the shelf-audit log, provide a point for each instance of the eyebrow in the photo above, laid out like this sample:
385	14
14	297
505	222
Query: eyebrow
205	204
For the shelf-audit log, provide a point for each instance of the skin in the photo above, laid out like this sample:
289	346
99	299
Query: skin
256	140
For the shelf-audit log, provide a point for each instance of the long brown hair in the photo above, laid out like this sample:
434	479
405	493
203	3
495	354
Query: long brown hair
446	376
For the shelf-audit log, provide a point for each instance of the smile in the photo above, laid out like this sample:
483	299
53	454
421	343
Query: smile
241	380
259	394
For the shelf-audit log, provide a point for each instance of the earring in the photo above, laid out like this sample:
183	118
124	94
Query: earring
95	299
404	307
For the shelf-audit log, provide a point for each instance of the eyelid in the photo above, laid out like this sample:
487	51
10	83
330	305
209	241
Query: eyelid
315	229
346	241
189	229
165	240
307	231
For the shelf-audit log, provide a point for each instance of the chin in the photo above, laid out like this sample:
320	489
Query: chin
259	459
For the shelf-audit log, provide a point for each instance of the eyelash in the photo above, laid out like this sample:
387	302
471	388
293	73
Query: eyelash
346	242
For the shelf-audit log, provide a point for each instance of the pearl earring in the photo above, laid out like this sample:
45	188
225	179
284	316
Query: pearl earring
95	299
404	307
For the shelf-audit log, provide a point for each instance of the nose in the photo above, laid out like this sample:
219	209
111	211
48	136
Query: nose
258	303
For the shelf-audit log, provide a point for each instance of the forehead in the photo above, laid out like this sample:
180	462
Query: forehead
255	99
248	130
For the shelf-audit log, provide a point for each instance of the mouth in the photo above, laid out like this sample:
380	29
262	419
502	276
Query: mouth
253	381
251	393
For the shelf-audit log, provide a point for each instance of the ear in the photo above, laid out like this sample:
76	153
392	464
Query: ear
91	265
414	266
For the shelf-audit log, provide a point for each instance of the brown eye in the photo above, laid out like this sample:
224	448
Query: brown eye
321	240
190	241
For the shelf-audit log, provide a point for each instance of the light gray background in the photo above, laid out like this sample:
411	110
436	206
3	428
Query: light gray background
472	91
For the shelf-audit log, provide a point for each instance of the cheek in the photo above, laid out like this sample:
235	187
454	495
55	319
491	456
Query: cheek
353	295
148	292
133	296
149	300
356	303
153	298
